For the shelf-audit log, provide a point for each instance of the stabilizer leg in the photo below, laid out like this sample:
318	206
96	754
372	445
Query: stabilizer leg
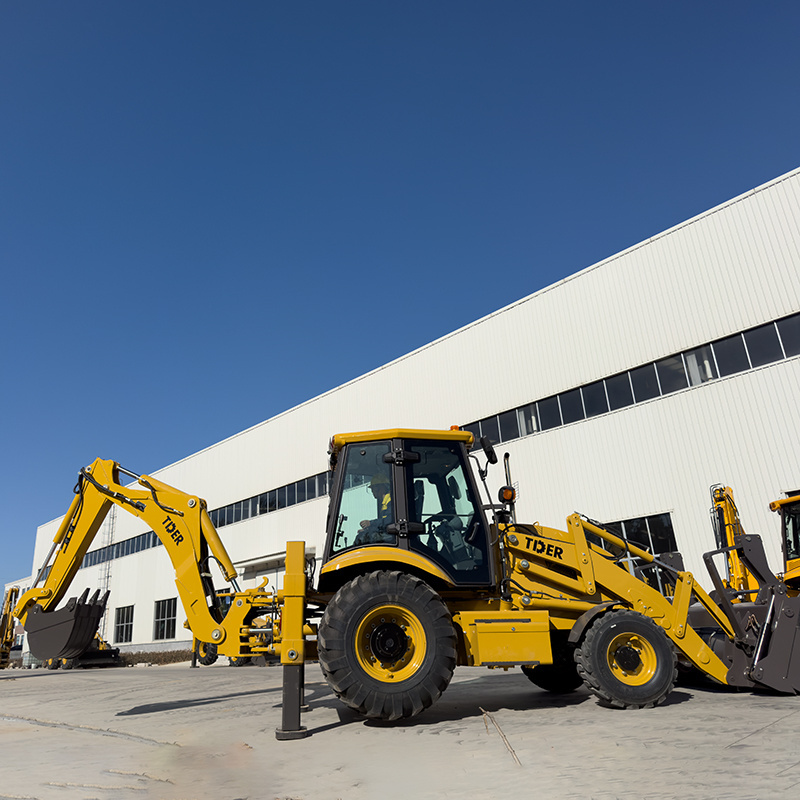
292	702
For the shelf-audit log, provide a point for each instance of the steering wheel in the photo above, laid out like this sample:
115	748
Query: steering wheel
440	517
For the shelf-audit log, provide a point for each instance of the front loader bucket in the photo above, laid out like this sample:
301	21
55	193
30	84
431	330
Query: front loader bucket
67	632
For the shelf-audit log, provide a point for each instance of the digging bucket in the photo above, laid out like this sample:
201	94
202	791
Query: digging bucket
66	632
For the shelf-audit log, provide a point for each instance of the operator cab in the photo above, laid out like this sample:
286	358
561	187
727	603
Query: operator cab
412	491
789	509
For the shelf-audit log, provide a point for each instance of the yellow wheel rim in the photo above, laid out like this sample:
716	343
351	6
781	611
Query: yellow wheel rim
390	643
632	659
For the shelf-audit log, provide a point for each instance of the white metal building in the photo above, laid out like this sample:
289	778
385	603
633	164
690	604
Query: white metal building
623	392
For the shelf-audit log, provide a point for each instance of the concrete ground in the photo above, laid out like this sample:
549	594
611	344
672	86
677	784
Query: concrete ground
174	733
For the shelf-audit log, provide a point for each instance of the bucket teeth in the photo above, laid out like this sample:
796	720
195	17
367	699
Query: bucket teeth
66	632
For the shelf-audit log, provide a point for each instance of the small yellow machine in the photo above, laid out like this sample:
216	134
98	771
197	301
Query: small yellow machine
415	580
728	527
7	624
789	509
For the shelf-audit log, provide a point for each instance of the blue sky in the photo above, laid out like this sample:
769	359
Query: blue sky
197	198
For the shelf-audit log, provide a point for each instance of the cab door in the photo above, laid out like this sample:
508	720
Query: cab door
442	499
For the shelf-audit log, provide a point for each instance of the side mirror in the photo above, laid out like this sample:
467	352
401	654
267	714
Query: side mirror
488	449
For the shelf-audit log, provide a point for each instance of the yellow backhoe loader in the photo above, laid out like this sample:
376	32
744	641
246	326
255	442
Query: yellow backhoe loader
740	582
99	653
415	580
7	625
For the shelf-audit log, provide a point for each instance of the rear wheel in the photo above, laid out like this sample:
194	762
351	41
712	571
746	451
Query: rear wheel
627	661
206	653
386	645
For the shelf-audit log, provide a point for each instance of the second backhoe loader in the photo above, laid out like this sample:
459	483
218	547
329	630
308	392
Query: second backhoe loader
415	580
740	583
7	624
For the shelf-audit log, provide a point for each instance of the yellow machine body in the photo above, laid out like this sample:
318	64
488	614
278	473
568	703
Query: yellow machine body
415	580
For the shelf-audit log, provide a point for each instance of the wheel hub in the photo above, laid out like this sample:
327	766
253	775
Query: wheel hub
388	642
628	658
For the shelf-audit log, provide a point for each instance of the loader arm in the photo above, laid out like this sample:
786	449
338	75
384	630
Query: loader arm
179	520
669	613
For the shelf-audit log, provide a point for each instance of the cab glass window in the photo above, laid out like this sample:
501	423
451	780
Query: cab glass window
791	517
440	497
367	505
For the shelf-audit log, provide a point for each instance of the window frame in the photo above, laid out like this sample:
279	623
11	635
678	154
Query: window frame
165	615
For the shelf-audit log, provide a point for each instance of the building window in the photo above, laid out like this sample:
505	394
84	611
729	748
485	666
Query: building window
654	534
619	391
123	625
311	488
528	419
571	406
490	429
594	399
789	330
731	355
164	627
700	365
763	345
645	383
671	374
549	413
509	425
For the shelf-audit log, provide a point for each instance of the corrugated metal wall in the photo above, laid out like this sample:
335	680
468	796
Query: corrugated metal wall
731	268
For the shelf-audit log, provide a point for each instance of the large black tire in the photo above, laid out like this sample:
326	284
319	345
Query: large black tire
627	661
387	646
560	677
206	653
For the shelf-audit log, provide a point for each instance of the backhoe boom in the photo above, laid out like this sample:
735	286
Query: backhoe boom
179	520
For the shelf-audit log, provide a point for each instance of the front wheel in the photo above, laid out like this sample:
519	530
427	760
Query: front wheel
206	653
386	645
627	661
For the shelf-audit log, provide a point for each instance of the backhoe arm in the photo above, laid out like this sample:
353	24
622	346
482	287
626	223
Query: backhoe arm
179	520
7	626
727	527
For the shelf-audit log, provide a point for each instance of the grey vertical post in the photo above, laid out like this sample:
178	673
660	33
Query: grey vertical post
292	700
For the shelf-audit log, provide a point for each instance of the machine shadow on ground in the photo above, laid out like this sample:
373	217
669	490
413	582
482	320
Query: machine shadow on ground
175	705
464	699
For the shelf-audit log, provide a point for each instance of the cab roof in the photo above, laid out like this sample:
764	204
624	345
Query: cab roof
776	504
339	440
